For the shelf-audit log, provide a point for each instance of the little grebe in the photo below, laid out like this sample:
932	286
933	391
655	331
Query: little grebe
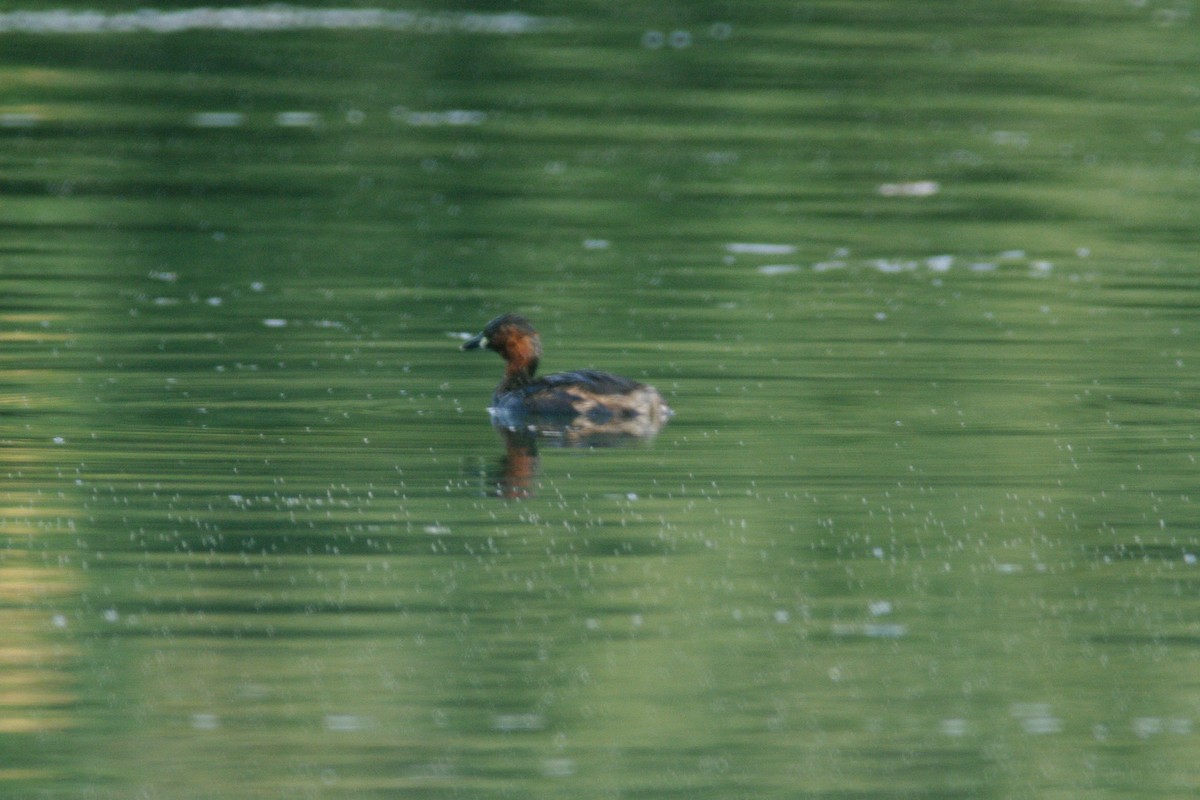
585	401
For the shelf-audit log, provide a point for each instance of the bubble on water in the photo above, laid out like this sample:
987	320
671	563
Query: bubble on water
781	616
720	31
355	116
59	440
111	615
680	39
257	286
275	323
437	530
880	608
214	301
558	767
596	244
653	40
59	621
939	263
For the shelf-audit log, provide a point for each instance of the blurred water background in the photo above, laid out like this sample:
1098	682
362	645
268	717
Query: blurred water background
919	279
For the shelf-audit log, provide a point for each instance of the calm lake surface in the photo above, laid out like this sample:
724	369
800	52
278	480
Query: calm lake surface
920	281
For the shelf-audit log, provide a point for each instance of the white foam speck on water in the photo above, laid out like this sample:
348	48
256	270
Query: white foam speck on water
205	722
893	265
596	244
760	248
19	119
275	323
939	263
953	727
518	722
456	117
344	722
879	608
218	119
558	767
909	189
778	269
297	119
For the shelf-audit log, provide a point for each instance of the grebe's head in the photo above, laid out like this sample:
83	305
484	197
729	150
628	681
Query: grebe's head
514	338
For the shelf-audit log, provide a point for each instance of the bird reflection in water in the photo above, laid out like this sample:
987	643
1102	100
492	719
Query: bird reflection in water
515	473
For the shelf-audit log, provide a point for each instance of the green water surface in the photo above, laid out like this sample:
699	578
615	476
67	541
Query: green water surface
919	280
